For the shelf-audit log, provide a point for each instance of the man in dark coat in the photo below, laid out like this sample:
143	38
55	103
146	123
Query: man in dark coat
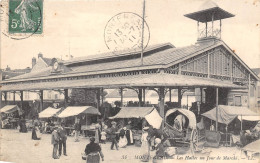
63	139
113	131
55	141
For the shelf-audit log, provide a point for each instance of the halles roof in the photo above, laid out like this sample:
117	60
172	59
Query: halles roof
114	55
154	60
159	59
143	80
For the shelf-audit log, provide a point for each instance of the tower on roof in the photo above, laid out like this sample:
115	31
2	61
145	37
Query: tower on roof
209	12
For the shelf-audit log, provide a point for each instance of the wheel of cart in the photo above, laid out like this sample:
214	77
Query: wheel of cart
194	140
180	126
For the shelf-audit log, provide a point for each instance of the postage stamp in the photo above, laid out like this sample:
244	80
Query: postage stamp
25	16
124	32
20	19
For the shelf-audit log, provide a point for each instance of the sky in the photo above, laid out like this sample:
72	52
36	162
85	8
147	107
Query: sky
77	28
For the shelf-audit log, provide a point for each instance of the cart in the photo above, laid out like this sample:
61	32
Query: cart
183	134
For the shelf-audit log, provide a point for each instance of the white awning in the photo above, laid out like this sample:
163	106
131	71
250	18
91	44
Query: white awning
249	118
49	112
133	112
9	109
76	110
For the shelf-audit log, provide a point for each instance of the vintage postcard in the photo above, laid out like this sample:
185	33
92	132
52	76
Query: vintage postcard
129	81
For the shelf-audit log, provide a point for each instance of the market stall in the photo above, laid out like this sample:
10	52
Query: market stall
47	116
137	115
87	116
9	116
232	119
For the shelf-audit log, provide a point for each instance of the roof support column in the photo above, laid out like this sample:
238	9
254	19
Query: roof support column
143	96
208	65
102	96
1	99
121	94
140	96
21	97
179	97
98	99
170	95
249	88
216	109
161	100
41	100
14	97
66	98
5	97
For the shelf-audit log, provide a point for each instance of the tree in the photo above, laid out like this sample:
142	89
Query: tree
81	96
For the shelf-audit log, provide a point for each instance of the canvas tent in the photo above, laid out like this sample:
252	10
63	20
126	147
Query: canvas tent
149	113
49	112
190	115
226	114
9	109
76	110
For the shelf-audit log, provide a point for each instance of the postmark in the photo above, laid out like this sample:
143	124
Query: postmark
21	19
123	32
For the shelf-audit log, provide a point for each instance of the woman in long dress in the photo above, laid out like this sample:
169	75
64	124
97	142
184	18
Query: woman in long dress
93	152
122	139
34	134
145	151
97	133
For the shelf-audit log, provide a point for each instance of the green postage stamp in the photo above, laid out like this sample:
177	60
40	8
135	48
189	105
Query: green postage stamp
25	16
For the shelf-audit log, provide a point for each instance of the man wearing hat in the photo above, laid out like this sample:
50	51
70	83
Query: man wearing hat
63	139
113	135
55	141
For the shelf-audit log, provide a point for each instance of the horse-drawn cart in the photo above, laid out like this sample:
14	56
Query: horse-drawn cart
180	126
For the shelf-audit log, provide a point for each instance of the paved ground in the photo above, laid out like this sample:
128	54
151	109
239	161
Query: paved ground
18	147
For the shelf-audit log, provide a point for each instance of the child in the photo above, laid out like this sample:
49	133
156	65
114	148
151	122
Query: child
103	137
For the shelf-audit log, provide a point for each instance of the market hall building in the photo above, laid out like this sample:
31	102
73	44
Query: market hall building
210	66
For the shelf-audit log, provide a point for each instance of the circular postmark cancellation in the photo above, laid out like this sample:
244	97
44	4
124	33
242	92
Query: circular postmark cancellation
123	32
21	19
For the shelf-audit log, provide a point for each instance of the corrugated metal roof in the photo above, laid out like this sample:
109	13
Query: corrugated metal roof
143	80
109	55
160	58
